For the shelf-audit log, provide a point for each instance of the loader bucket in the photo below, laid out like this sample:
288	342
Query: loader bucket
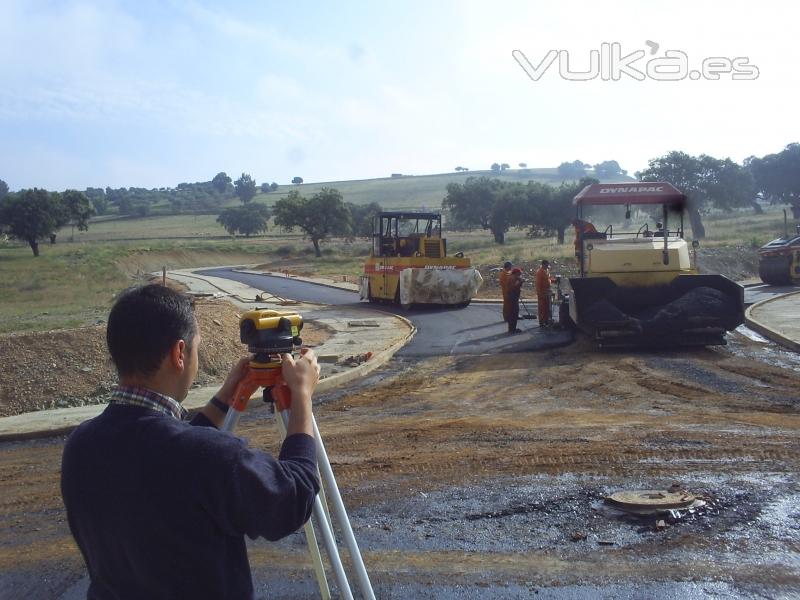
691	310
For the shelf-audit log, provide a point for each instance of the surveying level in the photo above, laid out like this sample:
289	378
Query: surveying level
268	334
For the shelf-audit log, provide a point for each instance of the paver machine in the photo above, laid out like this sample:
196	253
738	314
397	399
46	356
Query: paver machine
409	265
639	286
779	260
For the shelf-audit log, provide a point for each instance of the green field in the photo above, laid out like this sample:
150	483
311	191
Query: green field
73	282
409	191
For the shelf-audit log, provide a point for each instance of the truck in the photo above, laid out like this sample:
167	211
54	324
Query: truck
409	265
640	286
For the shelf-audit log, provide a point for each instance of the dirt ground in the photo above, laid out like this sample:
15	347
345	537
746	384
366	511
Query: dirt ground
71	367
483	477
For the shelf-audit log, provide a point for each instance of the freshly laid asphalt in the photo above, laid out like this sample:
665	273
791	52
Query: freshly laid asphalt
477	329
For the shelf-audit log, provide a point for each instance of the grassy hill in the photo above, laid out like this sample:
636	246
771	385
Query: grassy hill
410	191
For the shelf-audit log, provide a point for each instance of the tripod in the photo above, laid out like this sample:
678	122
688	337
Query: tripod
267	375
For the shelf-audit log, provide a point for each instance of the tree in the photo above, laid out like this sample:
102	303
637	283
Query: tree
97	196
523	165
706	181
572	170
221	182
273	186
556	208
32	215
471	204
245	188
3	189
78	210
609	169
264	188
459	169
361	216
495	167
322	216
504	166
777	176
248	219
297	180
686	173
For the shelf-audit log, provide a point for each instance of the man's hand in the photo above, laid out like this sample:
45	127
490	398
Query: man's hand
301	375
226	392
237	373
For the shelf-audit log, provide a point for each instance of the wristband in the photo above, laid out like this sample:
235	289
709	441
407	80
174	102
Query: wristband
219	404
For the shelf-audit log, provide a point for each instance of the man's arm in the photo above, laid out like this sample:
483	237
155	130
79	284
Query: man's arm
215	414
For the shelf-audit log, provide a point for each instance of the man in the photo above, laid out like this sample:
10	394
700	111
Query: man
513	290
502	279
582	228
160	506
542	284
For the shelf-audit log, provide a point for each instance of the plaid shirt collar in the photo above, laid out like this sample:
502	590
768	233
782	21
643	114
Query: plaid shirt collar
138	396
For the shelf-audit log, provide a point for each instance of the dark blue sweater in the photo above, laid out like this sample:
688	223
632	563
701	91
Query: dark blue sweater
159	507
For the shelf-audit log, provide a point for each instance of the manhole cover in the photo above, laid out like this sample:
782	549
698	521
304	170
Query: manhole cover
653	501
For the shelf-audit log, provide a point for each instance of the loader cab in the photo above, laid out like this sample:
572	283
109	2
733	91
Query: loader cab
407	234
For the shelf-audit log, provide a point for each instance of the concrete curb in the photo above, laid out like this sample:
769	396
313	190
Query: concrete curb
375	362
343	286
767	331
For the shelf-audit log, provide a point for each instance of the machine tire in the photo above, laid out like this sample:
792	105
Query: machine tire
462	304
776	270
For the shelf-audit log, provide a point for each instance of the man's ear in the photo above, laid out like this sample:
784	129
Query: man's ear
177	355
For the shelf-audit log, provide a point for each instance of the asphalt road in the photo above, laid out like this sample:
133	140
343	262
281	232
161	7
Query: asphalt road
757	293
477	329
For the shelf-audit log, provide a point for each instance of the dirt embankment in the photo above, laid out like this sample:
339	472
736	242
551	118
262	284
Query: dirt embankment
71	367
735	262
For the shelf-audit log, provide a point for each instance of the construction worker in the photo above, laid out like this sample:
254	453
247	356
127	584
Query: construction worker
502	279
542	283
513	290
581	229
160	506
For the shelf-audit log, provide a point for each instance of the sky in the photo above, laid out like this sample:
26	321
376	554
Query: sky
148	93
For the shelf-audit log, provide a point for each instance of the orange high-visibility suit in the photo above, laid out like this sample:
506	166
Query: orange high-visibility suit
502	279
543	294
581	227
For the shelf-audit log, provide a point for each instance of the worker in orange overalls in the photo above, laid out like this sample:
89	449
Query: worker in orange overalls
502	279
513	291
542	282
581	229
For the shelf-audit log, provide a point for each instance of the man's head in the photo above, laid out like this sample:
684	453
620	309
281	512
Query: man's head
152	334
516	271
507	265
545	264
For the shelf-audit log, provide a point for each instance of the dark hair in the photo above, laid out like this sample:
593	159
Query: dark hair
507	265
545	263
144	323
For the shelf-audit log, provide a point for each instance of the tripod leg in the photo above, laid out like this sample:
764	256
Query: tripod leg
341	516
325	529
311	537
231	419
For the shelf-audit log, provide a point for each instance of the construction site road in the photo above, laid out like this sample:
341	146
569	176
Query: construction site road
483	476
476	329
